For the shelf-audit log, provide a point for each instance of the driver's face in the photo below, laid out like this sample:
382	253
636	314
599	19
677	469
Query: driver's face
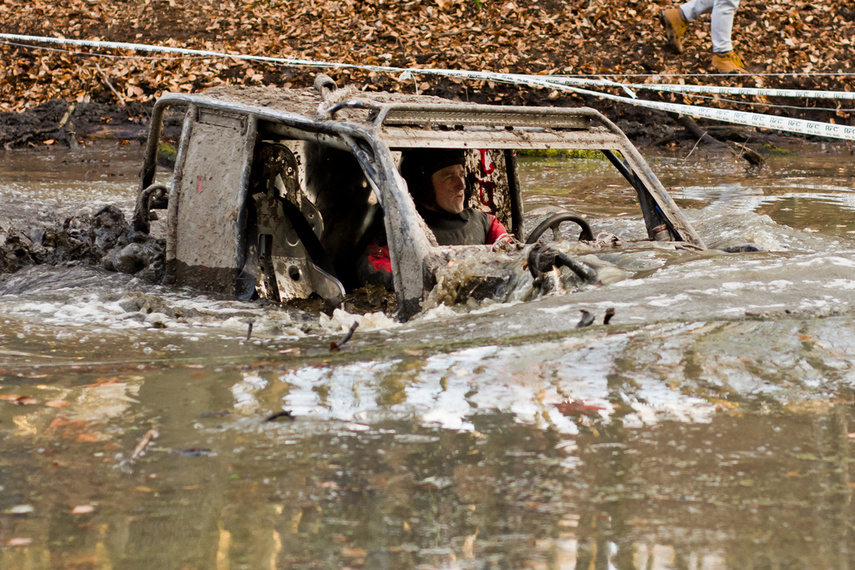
449	188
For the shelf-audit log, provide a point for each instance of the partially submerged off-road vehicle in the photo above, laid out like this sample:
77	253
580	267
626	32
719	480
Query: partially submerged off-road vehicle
276	192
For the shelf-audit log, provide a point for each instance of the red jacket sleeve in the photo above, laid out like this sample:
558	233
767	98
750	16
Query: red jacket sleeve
495	231
374	266
378	257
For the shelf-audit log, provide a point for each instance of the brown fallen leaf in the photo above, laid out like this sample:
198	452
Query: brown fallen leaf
104	381
354	552
577	408
20	400
89	437
523	36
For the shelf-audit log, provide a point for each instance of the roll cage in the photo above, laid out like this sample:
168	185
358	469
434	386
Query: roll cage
274	190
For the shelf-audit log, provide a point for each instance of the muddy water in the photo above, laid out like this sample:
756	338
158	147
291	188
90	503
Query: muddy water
710	425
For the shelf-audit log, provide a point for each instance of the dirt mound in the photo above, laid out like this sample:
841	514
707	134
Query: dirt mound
102	238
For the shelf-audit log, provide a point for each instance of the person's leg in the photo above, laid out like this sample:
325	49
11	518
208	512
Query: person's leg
694	9
724	58
675	21
722	25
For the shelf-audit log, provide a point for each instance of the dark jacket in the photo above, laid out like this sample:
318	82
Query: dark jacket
469	227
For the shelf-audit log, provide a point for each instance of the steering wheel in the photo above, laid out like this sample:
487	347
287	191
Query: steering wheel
554	220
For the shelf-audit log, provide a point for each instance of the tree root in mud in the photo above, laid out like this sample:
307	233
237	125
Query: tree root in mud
701	135
101	239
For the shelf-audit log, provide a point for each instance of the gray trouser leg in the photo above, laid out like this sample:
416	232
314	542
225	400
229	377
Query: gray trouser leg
722	19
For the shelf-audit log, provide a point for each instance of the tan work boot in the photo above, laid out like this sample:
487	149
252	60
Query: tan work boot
728	62
675	25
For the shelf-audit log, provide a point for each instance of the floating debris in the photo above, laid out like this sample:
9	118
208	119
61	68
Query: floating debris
577	408
586	320
280	416
335	347
610	312
193	452
139	450
219	414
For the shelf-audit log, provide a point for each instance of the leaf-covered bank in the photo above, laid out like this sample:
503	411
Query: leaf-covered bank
593	37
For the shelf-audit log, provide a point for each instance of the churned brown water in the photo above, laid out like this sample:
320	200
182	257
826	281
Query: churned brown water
709	425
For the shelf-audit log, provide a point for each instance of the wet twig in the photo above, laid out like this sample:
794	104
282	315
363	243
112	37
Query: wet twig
693	149
139	450
751	156
106	81
335	347
754	158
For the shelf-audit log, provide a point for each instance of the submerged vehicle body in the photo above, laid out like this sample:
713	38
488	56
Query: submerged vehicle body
276	192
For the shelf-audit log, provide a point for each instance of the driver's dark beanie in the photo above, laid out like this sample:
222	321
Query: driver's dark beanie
421	163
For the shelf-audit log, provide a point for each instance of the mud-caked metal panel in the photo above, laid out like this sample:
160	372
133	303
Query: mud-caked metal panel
495	138
289	227
283	261
487	115
207	244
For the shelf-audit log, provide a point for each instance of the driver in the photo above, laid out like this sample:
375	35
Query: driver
436	179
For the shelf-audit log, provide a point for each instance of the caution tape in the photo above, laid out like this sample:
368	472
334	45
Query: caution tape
759	120
717	90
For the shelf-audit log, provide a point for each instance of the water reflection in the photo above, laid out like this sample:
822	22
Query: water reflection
103	174
707	427
758	484
786	188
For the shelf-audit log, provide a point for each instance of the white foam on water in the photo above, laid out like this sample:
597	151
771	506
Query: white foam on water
839	284
530	382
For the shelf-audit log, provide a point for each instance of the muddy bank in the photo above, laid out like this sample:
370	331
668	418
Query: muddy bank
70	124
